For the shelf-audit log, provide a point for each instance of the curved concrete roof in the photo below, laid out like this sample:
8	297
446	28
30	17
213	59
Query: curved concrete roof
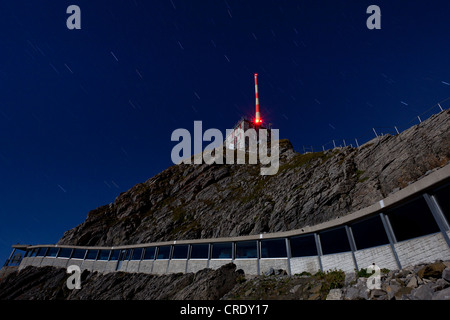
434	179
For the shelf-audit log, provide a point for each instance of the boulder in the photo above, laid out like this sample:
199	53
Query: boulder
350	278
402	292
442	295
352	293
377	293
424	292
334	294
392	290
412	283
433	270
446	274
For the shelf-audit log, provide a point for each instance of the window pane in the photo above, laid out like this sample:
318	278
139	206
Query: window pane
334	241
79	254
104	255
222	250
122	255
65	253
137	254
246	249
273	248
369	233
92	254
149	253
41	252
180	252
52	252
126	254
443	199
163	252
114	255
34	252
411	220
303	246
199	251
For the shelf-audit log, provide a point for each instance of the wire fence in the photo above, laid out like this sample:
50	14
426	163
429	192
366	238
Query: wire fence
379	131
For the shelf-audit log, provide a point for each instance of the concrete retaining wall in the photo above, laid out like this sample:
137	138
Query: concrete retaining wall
423	249
110	266
60	262
100	266
146	266
47	262
217	263
250	266
25	263
305	264
266	264
176	266
160	266
382	256
342	261
133	266
197	265
76	262
87	265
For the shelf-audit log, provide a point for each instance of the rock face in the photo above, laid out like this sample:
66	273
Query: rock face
49	283
208	201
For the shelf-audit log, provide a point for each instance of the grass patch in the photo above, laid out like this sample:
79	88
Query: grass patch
300	160
330	280
362	273
359	173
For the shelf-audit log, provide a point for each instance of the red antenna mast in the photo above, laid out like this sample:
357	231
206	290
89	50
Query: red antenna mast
258	119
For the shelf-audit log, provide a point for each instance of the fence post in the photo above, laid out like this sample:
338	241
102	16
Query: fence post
418	117
357	144
440	107
396	129
334	144
375	132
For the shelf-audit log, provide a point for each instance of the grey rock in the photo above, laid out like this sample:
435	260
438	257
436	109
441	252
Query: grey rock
49	283
377	293
446	274
334	294
352	293
295	289
392	290
412	282
442	295
432	270
402	293
270	272
350	278
424	292
440	284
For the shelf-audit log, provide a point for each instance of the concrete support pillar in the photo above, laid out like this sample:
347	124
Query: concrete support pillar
319	250
438	216
391	236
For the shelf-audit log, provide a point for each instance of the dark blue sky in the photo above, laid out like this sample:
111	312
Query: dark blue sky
86	114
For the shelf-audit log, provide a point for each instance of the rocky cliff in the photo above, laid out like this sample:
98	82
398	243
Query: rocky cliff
207	201
420	282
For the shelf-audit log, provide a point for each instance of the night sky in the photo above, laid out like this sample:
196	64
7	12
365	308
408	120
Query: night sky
86	114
